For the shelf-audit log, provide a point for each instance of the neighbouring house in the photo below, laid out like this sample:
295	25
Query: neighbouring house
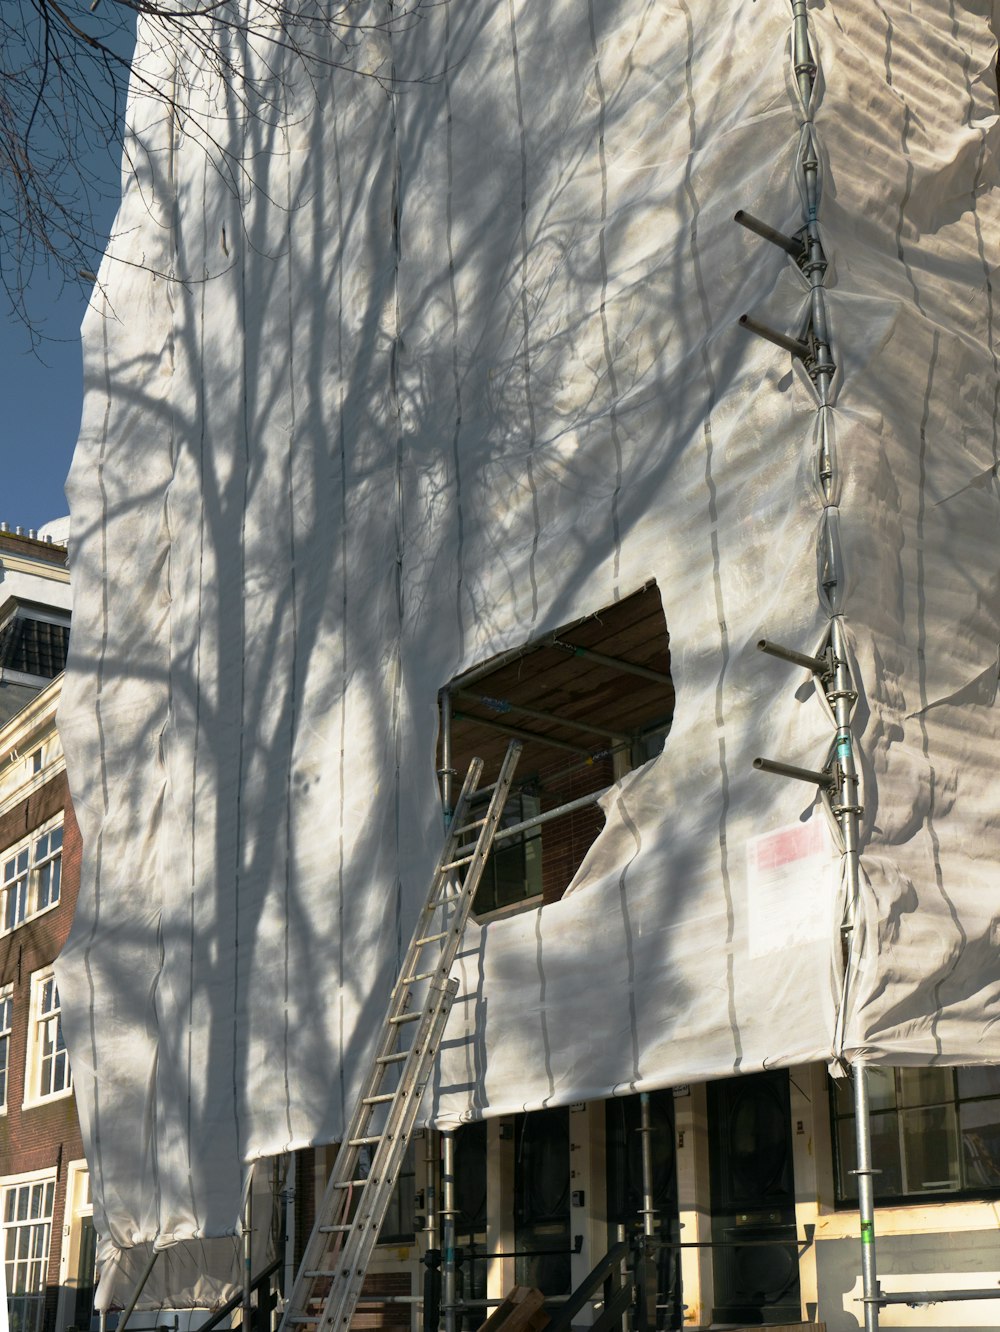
49	1241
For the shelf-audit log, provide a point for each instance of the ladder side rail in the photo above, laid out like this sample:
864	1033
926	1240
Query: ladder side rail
336	1202
462	900
440	877
353	1262
418	1052
346	1161
484	844
336	1199
344	1262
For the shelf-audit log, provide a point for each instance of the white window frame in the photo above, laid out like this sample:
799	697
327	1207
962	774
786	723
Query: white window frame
6	1036
36	1247
46	1053
32	880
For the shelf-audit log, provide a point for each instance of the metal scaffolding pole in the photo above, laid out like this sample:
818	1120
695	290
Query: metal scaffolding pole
646	1130
430	1187
129	1309
839	779
866	1196
446	772
248	1255
448	1269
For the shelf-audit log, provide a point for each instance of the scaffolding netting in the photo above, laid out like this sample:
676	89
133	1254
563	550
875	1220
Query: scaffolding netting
420	344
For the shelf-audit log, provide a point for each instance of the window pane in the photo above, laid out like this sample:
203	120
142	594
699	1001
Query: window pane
978	1082
930	1145
926	1086
885	1157
882	1088
980	1129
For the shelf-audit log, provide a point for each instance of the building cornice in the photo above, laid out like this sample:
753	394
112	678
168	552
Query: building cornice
37	568
20	736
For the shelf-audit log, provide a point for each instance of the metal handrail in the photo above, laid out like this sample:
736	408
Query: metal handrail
607	1267
231	1305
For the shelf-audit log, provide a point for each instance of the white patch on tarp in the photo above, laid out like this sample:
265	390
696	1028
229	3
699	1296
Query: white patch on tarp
792	879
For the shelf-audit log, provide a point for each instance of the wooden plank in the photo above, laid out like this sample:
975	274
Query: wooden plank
521	1311
550	679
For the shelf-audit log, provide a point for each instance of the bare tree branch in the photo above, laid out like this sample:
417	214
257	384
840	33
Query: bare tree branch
65	67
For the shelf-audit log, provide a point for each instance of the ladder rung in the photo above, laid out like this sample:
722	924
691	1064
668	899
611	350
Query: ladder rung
341	1249
454	864
467	827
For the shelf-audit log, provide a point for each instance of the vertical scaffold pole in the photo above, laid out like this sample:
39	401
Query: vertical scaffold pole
248	1255
840	688
448	1283
446	772
646	1130
430	1187
645	1271
866	1196
842	697
446	775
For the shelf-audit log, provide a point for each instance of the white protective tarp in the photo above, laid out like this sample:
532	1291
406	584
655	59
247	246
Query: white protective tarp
398	382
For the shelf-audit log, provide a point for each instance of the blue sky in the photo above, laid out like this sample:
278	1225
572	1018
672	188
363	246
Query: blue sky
42	398
42	390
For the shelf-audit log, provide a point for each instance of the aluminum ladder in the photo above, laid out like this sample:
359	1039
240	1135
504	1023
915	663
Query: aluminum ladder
350	1216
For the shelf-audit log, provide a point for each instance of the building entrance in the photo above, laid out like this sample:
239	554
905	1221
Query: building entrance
753	1200
541	1200
625	1191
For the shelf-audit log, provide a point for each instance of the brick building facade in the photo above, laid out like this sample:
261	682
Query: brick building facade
44	1185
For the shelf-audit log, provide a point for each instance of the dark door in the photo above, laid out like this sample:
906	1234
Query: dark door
83	1307
753	1200
624	1180
541	1200
470	1221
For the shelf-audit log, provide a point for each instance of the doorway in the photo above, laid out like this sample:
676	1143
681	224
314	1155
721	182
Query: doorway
541	1201
753	1200
624	1185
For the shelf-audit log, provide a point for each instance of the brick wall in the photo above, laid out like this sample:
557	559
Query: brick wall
372	1316
46	1136
566	841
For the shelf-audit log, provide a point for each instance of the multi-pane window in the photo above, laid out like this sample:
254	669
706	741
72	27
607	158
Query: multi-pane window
49	1071
398	1226
30	876
934	1131
513	873
27	1220
6	1020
